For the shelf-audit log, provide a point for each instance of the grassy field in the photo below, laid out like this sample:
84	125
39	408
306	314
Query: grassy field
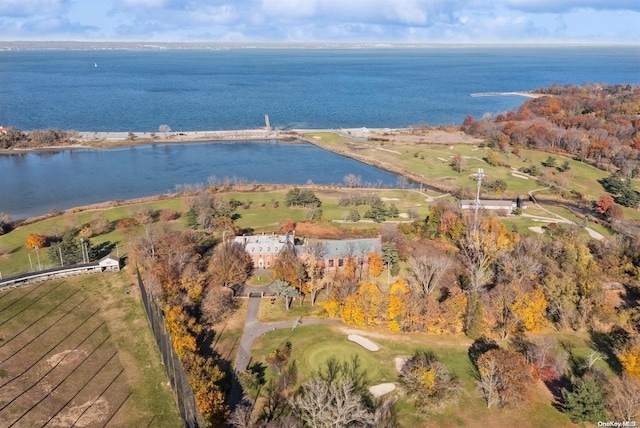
313	345
80	351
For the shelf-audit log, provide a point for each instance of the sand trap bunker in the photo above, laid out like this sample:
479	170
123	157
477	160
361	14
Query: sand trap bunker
365	343
400	362
382	389
536	229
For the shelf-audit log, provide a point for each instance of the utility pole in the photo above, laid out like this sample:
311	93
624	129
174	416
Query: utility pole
479	175
38	257
84	260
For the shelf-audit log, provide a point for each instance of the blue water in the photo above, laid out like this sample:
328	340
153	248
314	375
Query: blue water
209	90
36	183
322	88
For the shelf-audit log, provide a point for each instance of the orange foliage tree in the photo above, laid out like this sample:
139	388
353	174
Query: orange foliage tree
375	264
36	240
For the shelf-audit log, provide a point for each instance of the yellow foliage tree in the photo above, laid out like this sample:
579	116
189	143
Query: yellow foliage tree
375	264
36	240
397	309
531	309
452	314
363	308
630	360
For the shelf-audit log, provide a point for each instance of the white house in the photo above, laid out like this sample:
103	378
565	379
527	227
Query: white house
109	263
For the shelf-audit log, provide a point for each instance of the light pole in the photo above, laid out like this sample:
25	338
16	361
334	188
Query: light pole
480	175
38	257
82	249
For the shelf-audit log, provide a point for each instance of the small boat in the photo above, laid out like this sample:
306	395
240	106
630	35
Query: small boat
95	65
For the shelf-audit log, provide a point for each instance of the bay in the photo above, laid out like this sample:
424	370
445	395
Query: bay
35	183
191	90
298	88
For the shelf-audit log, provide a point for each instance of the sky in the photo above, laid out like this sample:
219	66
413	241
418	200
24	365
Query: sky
339	21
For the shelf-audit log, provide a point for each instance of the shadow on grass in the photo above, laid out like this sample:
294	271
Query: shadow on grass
608	343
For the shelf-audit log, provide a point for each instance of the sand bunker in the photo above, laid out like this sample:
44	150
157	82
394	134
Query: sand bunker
537	229
382	389
400	362
365	343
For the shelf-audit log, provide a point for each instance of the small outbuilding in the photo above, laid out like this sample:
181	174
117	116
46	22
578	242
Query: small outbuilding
109	263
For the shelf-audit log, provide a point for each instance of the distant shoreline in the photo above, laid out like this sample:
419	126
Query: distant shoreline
18	45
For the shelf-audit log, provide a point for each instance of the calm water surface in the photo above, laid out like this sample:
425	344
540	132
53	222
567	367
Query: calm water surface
35	183
233	89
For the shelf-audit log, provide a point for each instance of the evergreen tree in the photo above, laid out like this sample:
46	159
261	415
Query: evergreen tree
585	402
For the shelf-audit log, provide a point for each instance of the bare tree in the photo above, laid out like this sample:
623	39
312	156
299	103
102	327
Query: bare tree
457	163
623	398
426	272
322	403
241	417
352	180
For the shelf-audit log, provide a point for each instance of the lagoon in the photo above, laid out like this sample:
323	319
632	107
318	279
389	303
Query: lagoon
34	183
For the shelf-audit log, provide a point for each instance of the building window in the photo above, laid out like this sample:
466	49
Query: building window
331	263
340	262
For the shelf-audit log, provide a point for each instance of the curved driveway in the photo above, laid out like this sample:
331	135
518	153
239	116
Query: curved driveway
254	329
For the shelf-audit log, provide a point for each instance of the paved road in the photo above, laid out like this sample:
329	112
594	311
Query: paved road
254	329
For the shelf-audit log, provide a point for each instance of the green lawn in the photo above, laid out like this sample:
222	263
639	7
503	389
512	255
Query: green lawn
102	343
313	345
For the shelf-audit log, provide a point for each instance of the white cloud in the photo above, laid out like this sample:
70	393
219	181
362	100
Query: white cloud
558	6
26	8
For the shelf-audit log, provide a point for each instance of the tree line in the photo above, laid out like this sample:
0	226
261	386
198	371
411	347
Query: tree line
595	123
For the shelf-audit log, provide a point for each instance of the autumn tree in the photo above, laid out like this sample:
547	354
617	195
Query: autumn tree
604	203
315	274
376	266
397	304
480	247
530	310
629	358
428	383
230	264
364	307
217	304
505	377
36	240
286	266
279	356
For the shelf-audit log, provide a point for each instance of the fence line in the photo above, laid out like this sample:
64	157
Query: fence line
172	364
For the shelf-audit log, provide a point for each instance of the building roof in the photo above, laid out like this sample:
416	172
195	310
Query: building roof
487	203
264	244
346	248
